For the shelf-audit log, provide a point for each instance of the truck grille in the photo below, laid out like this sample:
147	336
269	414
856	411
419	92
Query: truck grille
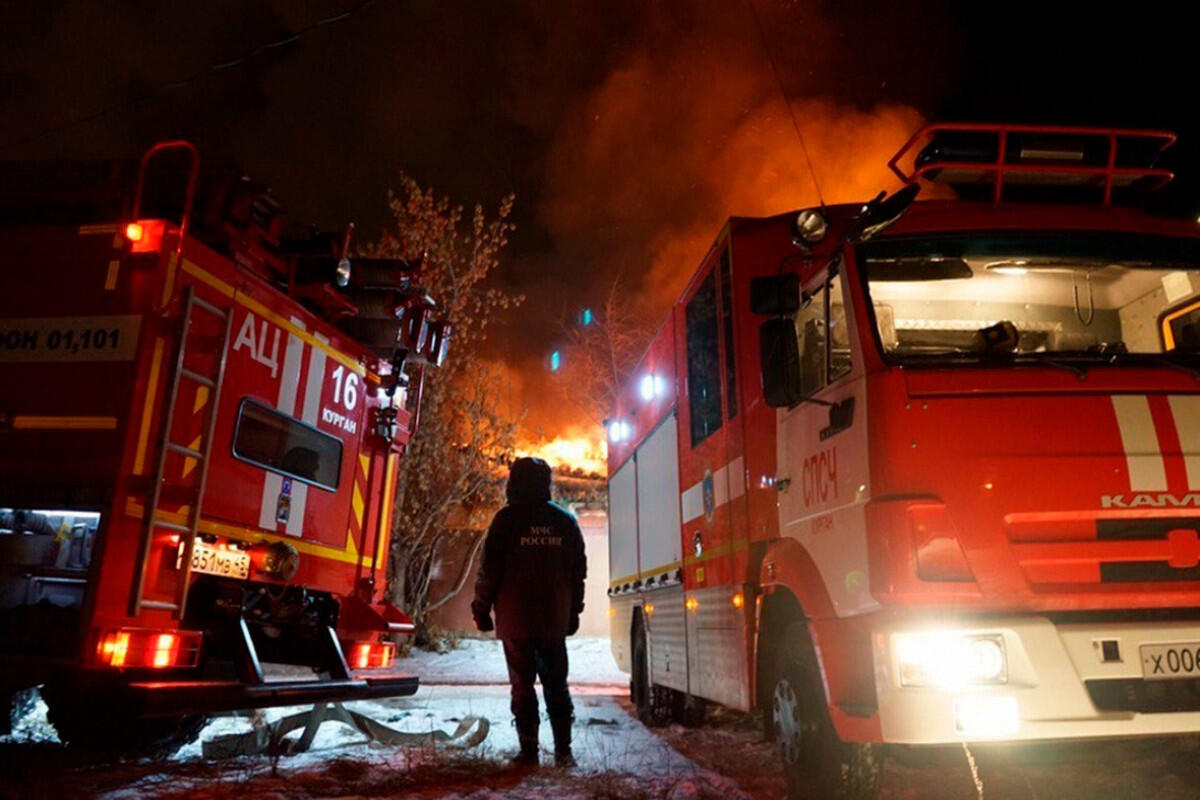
1147	697
1061	550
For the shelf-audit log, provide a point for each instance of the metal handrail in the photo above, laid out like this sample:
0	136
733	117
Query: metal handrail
193	174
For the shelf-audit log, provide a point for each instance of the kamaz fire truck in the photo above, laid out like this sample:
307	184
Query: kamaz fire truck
200	424
925	473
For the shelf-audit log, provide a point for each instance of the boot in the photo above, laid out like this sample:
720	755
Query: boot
527	735
561	726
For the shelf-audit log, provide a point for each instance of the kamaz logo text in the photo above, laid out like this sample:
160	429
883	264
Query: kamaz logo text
1149	500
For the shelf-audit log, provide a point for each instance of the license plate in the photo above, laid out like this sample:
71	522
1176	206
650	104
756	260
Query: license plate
1166	661
224	563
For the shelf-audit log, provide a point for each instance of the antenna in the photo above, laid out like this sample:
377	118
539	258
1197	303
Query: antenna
783	92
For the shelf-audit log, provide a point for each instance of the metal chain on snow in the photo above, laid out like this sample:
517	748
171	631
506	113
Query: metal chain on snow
974	770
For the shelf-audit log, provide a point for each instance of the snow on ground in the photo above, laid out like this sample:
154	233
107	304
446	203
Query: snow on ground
481	661
617	756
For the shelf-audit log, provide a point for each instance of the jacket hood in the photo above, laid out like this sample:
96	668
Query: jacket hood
528	481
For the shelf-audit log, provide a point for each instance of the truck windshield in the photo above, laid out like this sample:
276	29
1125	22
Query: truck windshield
1064	296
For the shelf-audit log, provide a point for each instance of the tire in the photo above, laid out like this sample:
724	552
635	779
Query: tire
653	703
688	709
88	723
816	763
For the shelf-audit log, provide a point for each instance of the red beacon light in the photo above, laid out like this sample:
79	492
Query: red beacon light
146	235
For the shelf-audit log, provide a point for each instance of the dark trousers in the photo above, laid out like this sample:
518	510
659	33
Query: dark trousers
545	659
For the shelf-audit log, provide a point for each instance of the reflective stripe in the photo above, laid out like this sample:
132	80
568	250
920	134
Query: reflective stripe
729	483
313	384
27	422
1186	410
289	384
1143	456
139	460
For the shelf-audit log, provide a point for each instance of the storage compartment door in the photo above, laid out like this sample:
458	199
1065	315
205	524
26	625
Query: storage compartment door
623	526
658	503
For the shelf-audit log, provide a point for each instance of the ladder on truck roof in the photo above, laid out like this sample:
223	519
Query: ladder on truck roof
153	519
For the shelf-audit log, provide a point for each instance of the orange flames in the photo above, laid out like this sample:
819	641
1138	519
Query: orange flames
579	451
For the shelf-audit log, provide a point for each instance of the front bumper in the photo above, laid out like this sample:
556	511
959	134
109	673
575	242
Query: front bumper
1058	682
168	698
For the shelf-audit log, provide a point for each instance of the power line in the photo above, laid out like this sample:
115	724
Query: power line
786	101
213	69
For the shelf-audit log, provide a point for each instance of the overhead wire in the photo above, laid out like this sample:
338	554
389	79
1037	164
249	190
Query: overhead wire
786	100
54	130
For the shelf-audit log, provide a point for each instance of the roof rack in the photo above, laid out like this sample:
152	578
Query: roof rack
964	153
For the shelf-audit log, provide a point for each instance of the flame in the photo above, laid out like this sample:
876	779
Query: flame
581	451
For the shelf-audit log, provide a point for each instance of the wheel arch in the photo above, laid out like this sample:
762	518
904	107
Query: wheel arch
778	609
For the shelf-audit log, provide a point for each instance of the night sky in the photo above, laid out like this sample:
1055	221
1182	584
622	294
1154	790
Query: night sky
628	130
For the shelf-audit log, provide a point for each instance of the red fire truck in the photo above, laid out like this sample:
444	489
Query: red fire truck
200	423
925	473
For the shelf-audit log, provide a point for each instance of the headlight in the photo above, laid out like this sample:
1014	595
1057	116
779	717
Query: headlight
947	660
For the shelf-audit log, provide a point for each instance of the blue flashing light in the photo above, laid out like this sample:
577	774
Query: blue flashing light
586	316
555	361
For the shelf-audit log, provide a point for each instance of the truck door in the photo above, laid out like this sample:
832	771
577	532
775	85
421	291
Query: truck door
713	489
822	444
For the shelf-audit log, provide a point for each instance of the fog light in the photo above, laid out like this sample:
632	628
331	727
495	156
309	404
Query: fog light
986	717
947	660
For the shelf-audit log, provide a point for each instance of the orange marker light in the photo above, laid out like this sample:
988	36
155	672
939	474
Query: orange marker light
134	232
691	604
164	650
738	600
362	655
115	648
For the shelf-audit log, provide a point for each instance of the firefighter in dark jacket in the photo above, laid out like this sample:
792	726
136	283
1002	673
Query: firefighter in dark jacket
532	574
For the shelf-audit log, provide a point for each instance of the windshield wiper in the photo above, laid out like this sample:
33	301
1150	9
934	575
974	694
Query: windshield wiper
1077	370
1167	361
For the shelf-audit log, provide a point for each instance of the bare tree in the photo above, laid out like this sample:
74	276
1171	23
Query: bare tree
598	357
467	433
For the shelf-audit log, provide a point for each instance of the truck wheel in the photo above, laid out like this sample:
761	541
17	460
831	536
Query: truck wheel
88	723
817	764
653	703
688	709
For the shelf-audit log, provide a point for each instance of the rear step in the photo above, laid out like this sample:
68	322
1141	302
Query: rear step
171	698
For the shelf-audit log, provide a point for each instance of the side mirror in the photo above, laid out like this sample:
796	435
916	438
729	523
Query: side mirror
883	212
779	351
775	294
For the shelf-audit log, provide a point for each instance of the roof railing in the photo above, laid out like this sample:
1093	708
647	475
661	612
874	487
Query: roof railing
1002	166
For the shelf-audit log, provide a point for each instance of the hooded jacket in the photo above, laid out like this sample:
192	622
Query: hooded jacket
534	564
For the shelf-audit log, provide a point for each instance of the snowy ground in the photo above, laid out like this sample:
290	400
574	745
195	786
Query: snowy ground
618	757
481	661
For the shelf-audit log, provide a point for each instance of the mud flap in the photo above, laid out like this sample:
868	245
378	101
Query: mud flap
268	738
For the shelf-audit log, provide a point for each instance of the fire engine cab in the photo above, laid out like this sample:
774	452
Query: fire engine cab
925	473
200	424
